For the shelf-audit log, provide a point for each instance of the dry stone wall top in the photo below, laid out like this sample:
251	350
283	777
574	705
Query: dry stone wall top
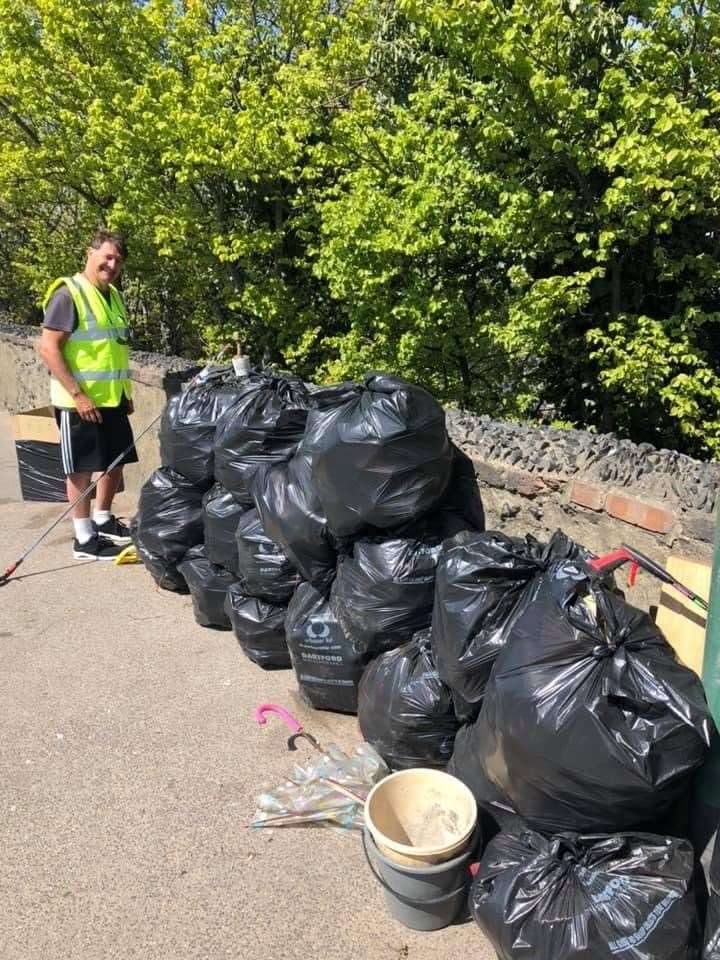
604	459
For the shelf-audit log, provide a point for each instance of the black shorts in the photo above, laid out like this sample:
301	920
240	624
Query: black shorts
87	447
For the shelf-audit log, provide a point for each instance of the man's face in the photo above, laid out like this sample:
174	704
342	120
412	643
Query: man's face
104	265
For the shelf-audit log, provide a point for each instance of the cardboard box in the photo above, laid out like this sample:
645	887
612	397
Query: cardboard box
682	622
37	447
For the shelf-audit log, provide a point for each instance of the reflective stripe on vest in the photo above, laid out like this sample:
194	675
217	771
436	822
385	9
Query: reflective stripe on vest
101	333
82	376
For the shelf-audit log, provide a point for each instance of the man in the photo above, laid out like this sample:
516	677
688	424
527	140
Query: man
84	344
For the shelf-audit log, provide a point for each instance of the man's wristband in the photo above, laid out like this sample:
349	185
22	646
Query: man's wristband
76	393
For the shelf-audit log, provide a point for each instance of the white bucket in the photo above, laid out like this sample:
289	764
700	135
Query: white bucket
419	817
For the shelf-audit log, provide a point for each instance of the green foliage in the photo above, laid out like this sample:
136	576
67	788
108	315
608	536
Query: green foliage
515	204
536	223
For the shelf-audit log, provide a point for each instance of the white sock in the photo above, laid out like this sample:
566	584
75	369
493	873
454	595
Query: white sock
101	516
83	529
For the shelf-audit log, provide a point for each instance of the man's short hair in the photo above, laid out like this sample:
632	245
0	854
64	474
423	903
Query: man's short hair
102	235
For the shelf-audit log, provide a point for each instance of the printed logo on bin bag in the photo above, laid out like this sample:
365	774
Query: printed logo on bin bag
646	928
317	631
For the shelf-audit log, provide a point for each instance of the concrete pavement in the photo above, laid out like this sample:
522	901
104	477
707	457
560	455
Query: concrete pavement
128	768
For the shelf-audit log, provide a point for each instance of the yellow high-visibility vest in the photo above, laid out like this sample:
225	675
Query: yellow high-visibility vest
97	352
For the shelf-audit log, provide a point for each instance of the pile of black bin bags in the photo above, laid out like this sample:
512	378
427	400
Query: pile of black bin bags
308	520
583	737
338	531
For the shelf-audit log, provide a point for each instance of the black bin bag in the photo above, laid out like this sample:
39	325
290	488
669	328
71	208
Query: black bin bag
292	517
208	584
460	507
40	471
263	568
405	710
221	515
327	668
259	627
602	897
383	592
187	428
164	573
265	426
384	457
168	522
480	578
288	503
589	722
462	496
496	811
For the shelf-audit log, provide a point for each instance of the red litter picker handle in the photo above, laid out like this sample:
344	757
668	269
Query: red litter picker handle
625	554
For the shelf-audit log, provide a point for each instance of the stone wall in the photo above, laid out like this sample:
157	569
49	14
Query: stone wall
601	490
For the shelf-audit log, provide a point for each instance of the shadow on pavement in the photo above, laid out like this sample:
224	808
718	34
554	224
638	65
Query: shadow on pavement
37	573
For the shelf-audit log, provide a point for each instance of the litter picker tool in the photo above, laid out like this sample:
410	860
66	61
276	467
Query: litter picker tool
625	554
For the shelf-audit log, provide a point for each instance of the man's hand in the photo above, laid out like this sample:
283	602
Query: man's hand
130	407
86	408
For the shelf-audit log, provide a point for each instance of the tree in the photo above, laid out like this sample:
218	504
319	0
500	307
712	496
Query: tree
537	222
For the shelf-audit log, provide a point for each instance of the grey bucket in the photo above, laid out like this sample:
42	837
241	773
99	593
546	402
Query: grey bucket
422	898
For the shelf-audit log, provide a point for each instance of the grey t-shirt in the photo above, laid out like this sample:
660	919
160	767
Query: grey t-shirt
60	313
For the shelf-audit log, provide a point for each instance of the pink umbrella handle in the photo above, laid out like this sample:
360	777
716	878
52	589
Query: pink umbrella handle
287	718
